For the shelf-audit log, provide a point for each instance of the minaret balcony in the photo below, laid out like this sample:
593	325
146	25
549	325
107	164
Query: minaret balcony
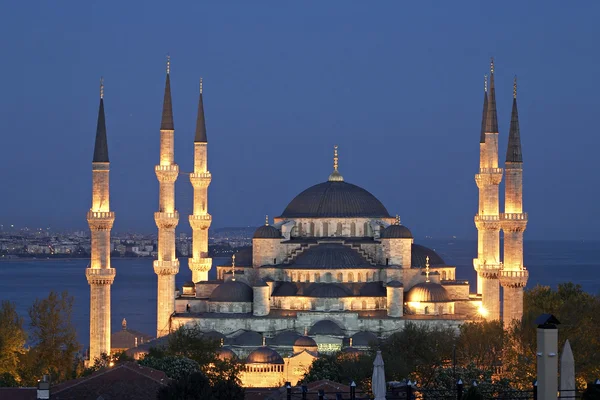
167	173
514	279
487	270
487	222
166	220
200	180
166	267
201	221
100	276
201	264
513	216
100	220
488	176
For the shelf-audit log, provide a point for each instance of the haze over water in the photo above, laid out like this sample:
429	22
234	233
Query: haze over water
134	289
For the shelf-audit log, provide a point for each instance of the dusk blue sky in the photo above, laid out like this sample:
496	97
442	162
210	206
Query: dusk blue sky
397	85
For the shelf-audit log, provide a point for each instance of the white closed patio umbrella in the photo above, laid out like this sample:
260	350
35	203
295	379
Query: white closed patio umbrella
378	386
567	372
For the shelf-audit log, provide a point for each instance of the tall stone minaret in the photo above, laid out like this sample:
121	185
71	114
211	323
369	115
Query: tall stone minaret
200	220
167	264
487	220
513	276
100	219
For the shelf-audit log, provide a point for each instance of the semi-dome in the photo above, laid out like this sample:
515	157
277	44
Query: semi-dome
335	199
419	256
364	338
232	291
396	232
330	256
264	355
267	232
327	290
285	338
189	284
326	327
428	292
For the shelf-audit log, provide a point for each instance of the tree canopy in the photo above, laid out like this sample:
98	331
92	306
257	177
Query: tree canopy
12	342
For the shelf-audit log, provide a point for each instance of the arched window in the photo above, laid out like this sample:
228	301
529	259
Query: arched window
341	305
359	277
444	275
325	229
364	305
375	276
300	229
328	277
340	277
293	276
350	277
366	229
317	277
368	277
312	229
338	230
353	229
353	305
426	309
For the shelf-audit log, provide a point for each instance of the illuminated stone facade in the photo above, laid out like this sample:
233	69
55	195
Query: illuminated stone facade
100	275
167	217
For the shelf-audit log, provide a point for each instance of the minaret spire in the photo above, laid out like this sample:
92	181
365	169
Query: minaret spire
200	136
491	124
513	152
485	106
167	112
101	146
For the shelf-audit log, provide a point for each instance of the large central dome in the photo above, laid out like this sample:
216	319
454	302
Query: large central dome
335	199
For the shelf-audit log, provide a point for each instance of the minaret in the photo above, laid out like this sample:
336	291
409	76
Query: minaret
513	276
167	264
200	220
100	219
487	220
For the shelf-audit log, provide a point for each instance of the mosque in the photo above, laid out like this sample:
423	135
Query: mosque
333	272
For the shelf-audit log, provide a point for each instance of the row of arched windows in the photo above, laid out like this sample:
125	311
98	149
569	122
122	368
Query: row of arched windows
329	277
264	368
326	229
328	305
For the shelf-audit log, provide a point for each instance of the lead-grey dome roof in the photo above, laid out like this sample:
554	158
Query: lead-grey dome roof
327	290
419	256
232	291
264	355
396	232
335	200
326	327
428	292
267	232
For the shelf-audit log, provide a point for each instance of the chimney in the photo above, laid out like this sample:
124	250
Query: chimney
43	391
547	356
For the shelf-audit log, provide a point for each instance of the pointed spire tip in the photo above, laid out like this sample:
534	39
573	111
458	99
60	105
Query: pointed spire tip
492	66
101	87
200	85
515	88
168	64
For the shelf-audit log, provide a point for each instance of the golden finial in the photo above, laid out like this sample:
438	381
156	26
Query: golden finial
222	342
200	85
101	87
306	331
264	340
335	175
168	64
350	342
233	267
427	269
335	158
266	220
492	65
485	82
515	88
397	219
124	324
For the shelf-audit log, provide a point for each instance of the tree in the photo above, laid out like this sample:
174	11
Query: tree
174	366
8	380
188	387
480	343
12	339
416	352
53	336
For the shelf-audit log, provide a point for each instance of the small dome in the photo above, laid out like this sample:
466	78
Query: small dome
189	284
306	341
327	290
326	327
364	338
286	289
248	338
264	355
285	338
428	292
396	232
267	232
232	291
419	256
225	353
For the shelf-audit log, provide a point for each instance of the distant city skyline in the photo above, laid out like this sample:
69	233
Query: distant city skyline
398	87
